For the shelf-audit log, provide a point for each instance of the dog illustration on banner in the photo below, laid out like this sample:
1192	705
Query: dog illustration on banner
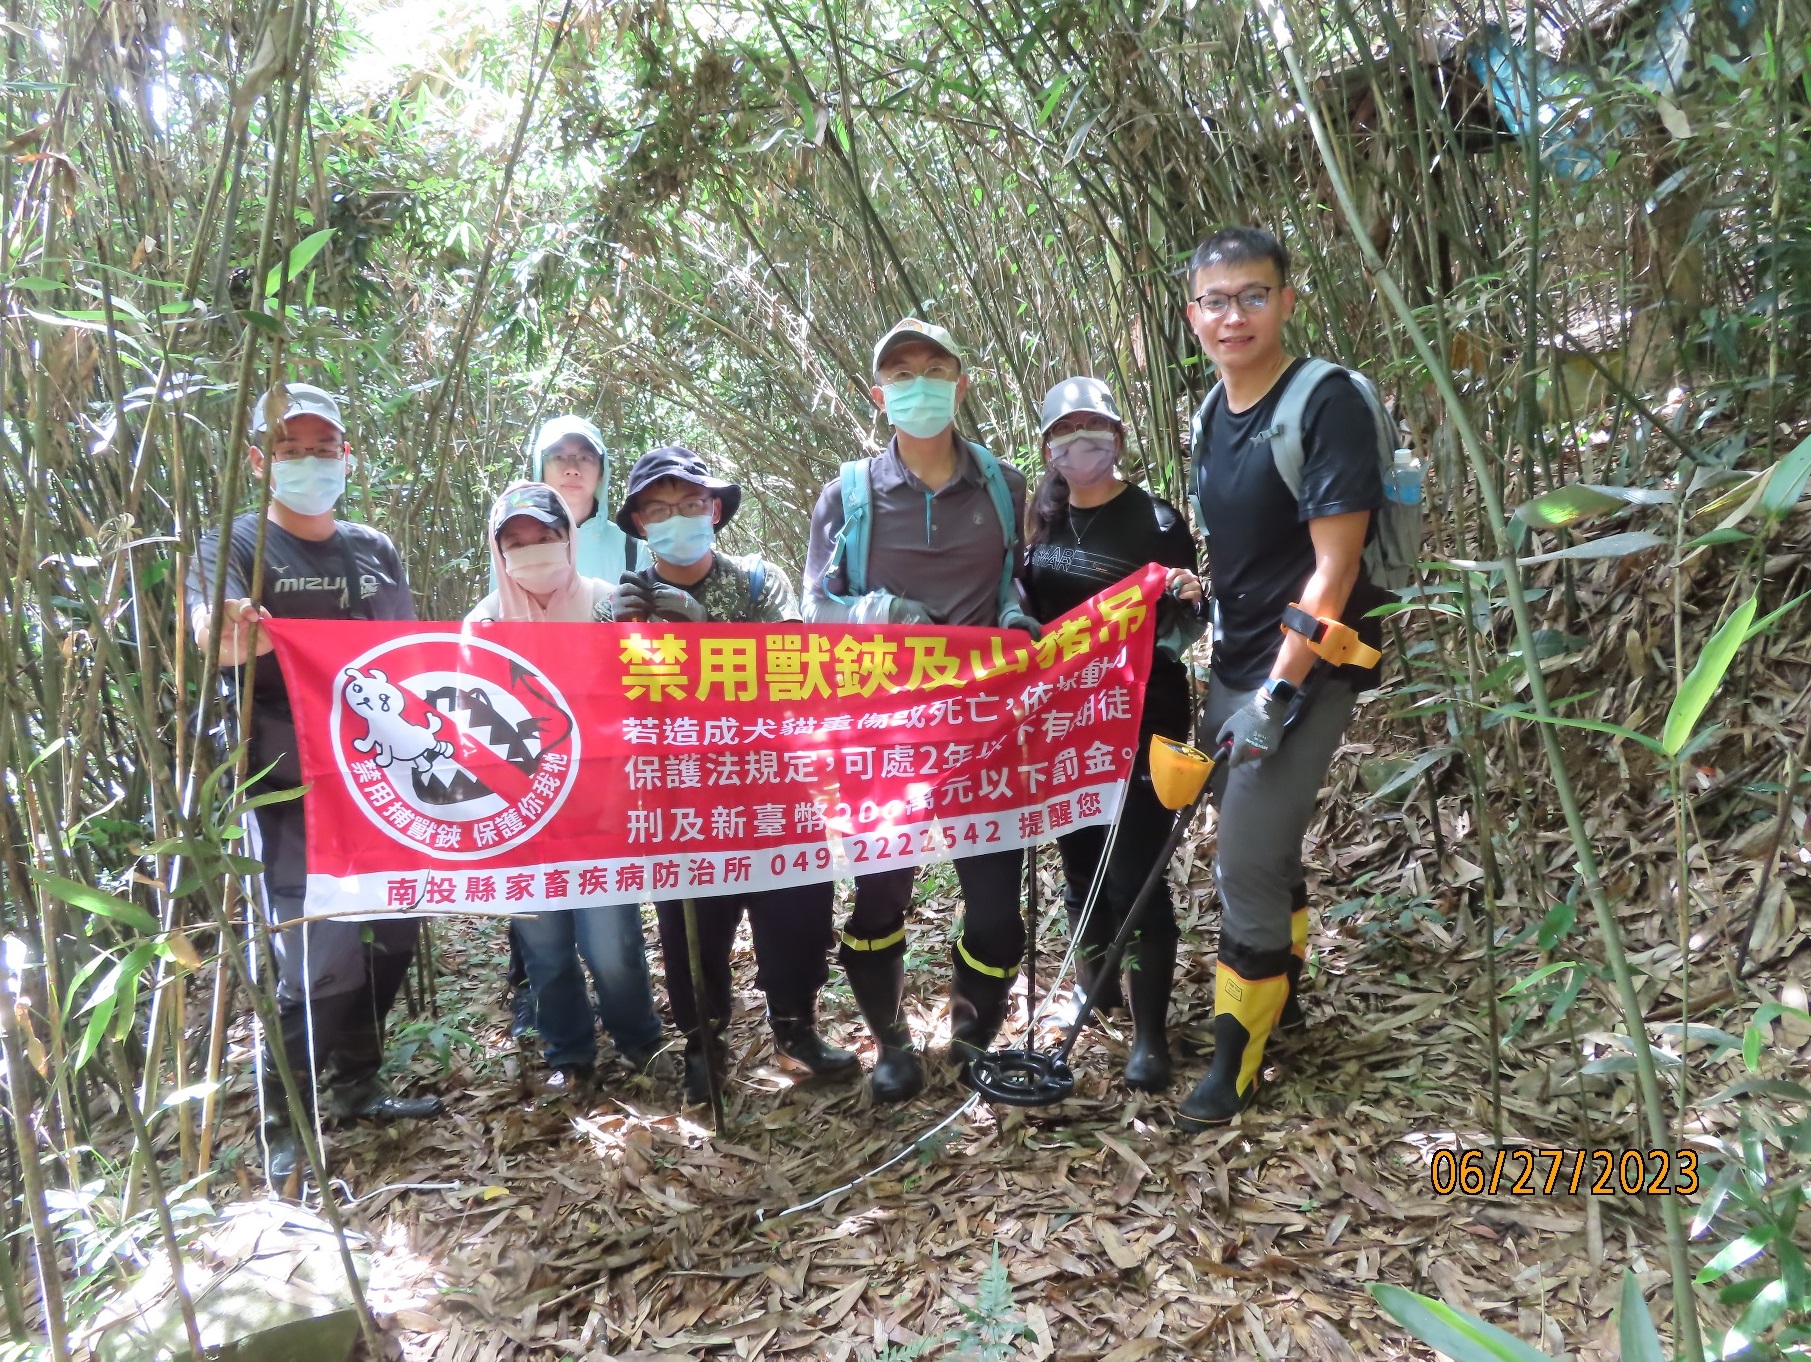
390	734
454	745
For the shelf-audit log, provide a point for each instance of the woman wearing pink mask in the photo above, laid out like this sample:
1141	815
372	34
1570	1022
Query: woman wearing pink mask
536	567
538	576
1087	528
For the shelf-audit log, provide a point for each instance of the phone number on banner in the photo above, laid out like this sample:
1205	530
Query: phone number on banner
702	874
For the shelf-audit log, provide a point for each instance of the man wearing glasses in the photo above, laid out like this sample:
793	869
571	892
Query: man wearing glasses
1268	548
341	976
935	540
677	507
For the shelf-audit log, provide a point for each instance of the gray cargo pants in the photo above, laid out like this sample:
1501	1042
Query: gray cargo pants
1265	808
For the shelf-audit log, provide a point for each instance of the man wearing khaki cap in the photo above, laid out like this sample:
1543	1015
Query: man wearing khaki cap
315	566
925	532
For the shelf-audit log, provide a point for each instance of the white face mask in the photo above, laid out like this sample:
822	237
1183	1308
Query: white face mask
308	486
538	569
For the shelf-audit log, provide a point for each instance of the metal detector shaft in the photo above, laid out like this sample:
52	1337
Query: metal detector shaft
1109	963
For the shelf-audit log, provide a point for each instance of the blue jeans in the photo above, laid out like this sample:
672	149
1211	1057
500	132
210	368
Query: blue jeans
610	943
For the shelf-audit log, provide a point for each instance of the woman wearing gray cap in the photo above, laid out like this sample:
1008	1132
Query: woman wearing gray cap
1086	529
534	557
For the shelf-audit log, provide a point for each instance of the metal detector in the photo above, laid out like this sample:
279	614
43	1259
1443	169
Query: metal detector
1026	1078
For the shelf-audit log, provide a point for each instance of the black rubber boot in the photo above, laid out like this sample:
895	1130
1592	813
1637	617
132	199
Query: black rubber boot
697	1086
286	1155
798	1040
1292	1018
879	989
977	1009
1244	1012
1153	976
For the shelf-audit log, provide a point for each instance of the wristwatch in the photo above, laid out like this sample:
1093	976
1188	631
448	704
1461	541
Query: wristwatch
1278	691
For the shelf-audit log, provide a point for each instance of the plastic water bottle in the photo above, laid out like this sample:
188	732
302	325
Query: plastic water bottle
1404	483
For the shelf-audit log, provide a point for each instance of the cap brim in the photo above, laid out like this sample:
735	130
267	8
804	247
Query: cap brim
893	342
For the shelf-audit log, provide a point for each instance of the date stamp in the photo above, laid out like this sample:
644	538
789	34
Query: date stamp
1547	1172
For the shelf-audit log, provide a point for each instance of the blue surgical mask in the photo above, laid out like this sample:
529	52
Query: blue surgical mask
921	407
308	486
681	539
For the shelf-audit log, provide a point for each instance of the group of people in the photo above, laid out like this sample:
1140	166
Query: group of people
932	530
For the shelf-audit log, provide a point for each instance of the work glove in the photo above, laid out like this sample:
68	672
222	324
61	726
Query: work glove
633	602
883	607
1255	731
1015	618
672	605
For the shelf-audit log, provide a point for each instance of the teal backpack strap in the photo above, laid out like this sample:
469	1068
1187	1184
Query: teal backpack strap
995	481
1285	433
850	551
757	582
1197	450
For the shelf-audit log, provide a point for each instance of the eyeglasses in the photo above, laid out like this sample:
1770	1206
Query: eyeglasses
1249	300
943	370
1069	425
656	511
324	450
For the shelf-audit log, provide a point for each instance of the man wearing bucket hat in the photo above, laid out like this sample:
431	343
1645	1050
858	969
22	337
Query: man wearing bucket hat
1087	528
336	980
676	504
927	531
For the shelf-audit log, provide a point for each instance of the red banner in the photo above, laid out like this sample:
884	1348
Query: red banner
524	767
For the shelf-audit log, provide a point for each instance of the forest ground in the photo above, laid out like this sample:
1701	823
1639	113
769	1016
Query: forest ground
622	1227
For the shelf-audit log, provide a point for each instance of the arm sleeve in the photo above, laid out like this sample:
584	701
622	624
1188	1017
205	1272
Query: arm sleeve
777	605
1339	459
393	560
826	524
485	612
204	570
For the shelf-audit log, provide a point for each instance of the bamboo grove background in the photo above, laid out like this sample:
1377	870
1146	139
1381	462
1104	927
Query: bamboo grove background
692	221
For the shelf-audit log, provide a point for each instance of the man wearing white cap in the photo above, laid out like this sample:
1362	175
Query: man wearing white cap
344	977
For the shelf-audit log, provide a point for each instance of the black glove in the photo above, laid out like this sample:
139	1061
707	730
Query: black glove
672	605
634	600
1255	731
1015	618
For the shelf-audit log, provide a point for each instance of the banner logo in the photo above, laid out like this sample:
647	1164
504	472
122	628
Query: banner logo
452	745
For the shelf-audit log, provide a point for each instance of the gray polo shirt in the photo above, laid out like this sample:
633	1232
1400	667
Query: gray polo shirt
943	549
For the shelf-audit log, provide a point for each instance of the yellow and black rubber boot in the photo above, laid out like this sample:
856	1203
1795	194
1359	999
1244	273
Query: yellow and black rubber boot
1293	1018
876	974
1245	1010
979	994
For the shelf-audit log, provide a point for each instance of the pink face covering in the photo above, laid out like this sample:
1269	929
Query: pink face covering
565	598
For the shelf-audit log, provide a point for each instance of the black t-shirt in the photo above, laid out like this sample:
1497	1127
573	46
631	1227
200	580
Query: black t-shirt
303	579
1259	551
1095	546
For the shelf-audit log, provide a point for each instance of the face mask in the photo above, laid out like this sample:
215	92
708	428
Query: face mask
539	569
308	486
681	539
1084	458
921	407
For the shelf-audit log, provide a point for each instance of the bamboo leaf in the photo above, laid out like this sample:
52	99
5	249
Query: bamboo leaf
1702	682
1622	545
300	258
1578	502
1458	1335
1551	967
1635	1326
1787	484
96	901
